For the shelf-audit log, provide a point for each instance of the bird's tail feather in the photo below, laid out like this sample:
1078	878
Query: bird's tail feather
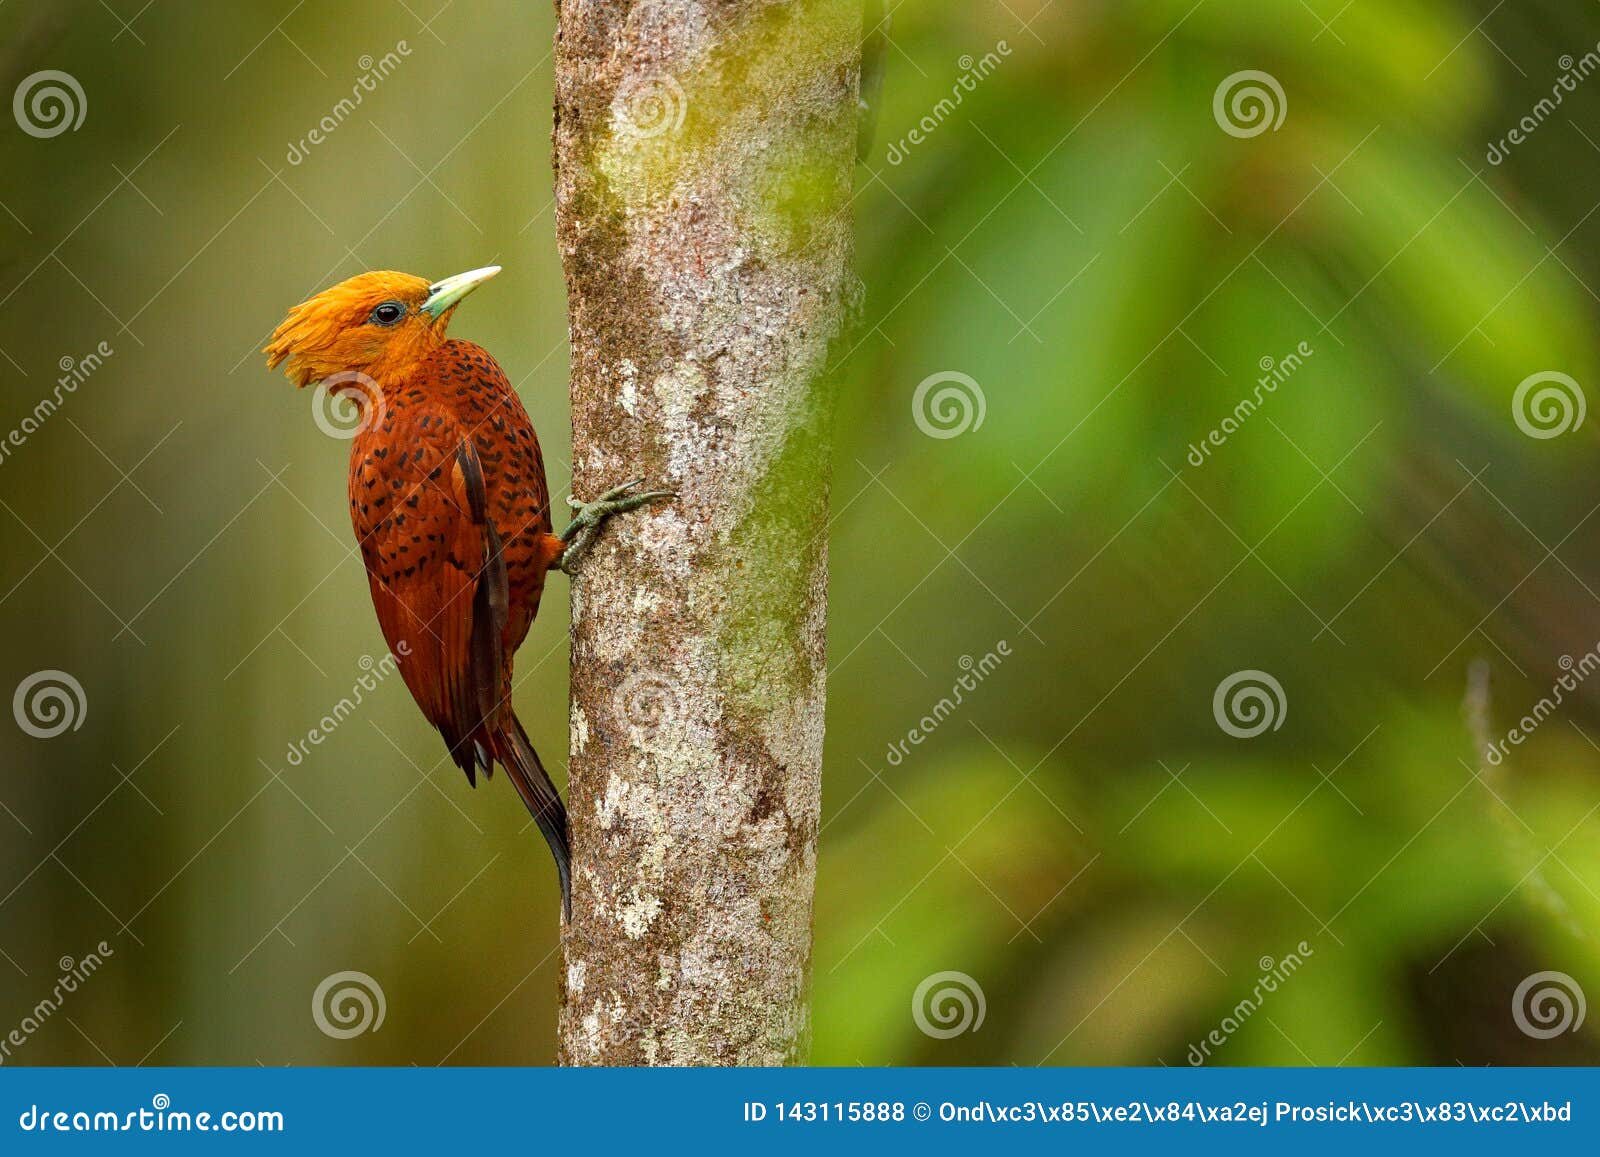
533	784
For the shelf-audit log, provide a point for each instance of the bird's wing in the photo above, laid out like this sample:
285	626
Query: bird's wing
437	572
509	449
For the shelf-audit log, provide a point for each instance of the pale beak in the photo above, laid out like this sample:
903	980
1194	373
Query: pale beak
444	294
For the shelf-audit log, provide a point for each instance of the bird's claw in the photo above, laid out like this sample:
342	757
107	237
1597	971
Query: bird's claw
591	516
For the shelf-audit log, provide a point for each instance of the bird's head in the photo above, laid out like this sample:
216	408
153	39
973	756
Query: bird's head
374	324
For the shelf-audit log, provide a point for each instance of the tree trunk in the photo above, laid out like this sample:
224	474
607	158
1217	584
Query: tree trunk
703	154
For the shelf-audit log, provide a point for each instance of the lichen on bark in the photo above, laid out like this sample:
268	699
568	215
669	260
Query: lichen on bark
703	156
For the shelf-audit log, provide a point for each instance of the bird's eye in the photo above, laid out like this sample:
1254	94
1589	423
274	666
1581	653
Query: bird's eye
388	313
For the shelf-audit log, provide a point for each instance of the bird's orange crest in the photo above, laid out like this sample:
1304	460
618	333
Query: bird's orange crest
377	324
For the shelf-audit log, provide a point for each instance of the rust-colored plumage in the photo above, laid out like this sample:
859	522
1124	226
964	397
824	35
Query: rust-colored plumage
450	508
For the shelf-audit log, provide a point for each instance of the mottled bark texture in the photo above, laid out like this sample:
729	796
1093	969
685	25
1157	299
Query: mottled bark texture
703	155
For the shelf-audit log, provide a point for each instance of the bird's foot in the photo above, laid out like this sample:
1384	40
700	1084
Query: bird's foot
591	516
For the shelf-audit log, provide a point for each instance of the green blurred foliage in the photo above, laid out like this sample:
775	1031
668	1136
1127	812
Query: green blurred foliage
1079	836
